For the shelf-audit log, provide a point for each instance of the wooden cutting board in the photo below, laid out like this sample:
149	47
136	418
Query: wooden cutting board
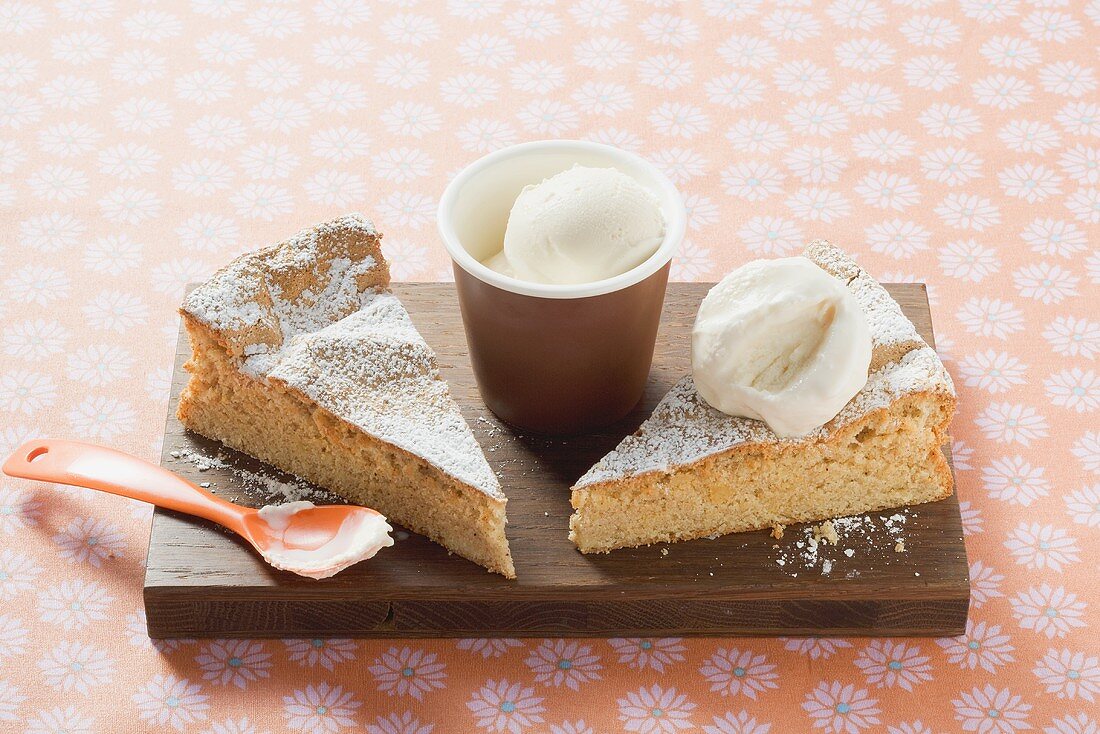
203	582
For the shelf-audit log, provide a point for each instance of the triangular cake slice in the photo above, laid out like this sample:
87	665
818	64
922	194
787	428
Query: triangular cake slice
304	359
691	471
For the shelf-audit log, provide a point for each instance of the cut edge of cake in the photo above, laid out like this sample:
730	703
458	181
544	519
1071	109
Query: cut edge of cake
303	358
691	471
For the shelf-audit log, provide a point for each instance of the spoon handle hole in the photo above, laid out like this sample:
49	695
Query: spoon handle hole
37	453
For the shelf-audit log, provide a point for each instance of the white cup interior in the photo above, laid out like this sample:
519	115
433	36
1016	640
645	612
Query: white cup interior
473	212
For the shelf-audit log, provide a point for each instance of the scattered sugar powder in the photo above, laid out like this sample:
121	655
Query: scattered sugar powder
809	546
258	487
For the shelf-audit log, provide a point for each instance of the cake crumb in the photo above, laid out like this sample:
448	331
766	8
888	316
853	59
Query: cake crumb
849	552
664	551
826	533
899	547
777	531
204	485
826	567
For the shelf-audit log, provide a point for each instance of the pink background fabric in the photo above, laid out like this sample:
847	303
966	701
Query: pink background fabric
953	142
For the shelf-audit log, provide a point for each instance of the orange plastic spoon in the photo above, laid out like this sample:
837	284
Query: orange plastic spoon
299	537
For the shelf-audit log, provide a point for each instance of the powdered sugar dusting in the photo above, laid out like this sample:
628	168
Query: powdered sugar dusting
315	314
684	428
813	548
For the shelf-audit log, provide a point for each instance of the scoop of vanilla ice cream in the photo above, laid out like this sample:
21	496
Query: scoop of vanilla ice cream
781	341
579	226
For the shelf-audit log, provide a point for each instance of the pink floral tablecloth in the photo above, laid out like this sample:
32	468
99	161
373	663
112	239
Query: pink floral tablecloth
955	142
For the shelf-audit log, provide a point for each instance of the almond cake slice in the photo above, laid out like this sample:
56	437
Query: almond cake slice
691	471
303	358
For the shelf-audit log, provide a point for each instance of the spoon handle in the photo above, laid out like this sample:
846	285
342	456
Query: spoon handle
107	470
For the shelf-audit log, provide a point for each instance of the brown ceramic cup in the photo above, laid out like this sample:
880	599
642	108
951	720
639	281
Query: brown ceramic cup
554	359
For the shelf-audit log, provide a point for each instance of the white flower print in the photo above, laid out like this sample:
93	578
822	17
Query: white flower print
274	22
342	52
413	119
320	709
1054	237
841	709
1069	674
740	723
1072	724
950	121
985	584
803	78
1042	546
1045	283
1048	610
1015	480
1087	450
20	18
817	118
815	165
1073	337
37	284
816	647
747	51
486	50
931	72
771	236
503	706
968	212
68	139
488	647
678	120
533	24
971	516
152	25
10	700
203	177
406	723
80	47
874	100
1010	52
57	719
887	664
887	191
407	209
26	392
127	161
1029	182
469	90
205	86
115	311
563	662
130	205
170	701
693	262
701	211
408	672
655	710
536	77
267	161
208	233
598	13
756	136
279	114
951	166
817	204
12	156
415	30
33	340
73	666
273	75
216	132
791	25
752	180
1067	78
71	93
402	70
993	371
336	96
13	637
401	165
1083	506
486	135
224	47
648	653
732	672
928	30
1002	91
602	53
1012	423
236	662
335	187
18	508
865	54
883	146
262	201
1084	204
962	456
1045	25
18	573
72	604
989	12
58	183
669	30
337	144
968	260
1074	388
992	711
857	14
91	541
665	72
1081	164
342	13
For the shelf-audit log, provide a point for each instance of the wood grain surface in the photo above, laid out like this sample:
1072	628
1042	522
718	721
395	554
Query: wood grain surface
202	582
